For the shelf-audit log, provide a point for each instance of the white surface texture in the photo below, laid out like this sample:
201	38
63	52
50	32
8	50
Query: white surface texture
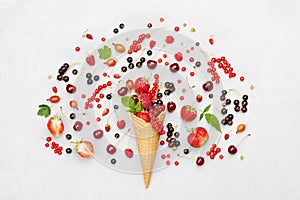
260	37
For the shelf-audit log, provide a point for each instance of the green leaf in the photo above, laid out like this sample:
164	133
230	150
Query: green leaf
125	101
131	110
213	120
131	103
207	108
104	53
201	116
138	107
44	110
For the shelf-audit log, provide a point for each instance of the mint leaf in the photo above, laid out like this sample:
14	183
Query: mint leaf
131	103
138	107
132	110
44	110
213	120
201	116
104	53
206	108
125	101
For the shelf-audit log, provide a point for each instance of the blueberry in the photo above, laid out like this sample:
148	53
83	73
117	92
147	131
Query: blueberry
116	30
224	92
130	65
149	52
116	107
108	96
244	109
224	111
68	150
237	108
96	78
228	101
177	134
139	64
167	84
72	116
75	71
169	125
230	116
177	143
160	102
129	59
222	98
89	81
117	135
113	161
236	102
66	78
198	64
167	92
88	75
142	59
245	97
69	136
186	151
169	134
159	95
223	121
124	69
121	26
244	103
171	129
171	85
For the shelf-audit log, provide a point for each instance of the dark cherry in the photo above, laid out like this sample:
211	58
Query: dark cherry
171	106
200	161
174	67
208	86
71	88
151	64
135	98
232	149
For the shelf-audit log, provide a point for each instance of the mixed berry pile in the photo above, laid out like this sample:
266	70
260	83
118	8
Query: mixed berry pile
146	72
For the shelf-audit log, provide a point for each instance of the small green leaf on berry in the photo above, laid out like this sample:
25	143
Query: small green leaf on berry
201	116
44	110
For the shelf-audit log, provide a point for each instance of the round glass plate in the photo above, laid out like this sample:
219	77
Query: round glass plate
188	83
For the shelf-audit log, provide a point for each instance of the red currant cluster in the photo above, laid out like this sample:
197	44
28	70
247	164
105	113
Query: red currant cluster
223	64
213	151
213	71
154	112
88	103
136	44
57	149
155	89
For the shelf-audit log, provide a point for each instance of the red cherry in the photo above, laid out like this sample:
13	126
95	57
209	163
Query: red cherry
199	98
77	49
200	161
211	41
232	149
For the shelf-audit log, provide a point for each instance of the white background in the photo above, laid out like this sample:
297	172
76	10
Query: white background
261	37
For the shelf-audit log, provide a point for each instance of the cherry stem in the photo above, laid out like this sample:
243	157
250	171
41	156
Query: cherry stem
63	114
243	139
187	157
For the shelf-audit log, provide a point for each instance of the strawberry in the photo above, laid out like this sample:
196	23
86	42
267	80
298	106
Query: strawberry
84	148
107	127
146	100
188	113
90	59
141	85
197	137
55	126
129	153
105	111
143	115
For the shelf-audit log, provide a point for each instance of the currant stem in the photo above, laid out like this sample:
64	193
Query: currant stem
243	139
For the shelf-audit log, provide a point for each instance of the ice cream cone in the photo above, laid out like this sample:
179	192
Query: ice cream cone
147	141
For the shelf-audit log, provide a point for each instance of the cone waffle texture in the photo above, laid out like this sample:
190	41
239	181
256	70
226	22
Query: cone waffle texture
147	141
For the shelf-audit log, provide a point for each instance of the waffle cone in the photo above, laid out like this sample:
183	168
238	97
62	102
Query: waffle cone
147	141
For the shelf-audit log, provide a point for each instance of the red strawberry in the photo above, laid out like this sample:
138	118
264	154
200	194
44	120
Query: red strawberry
105	111
146	100
129	153
90	59
211	41
188	113
197	137
107	127
55	126
121	124
141	85
143	115
84	148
